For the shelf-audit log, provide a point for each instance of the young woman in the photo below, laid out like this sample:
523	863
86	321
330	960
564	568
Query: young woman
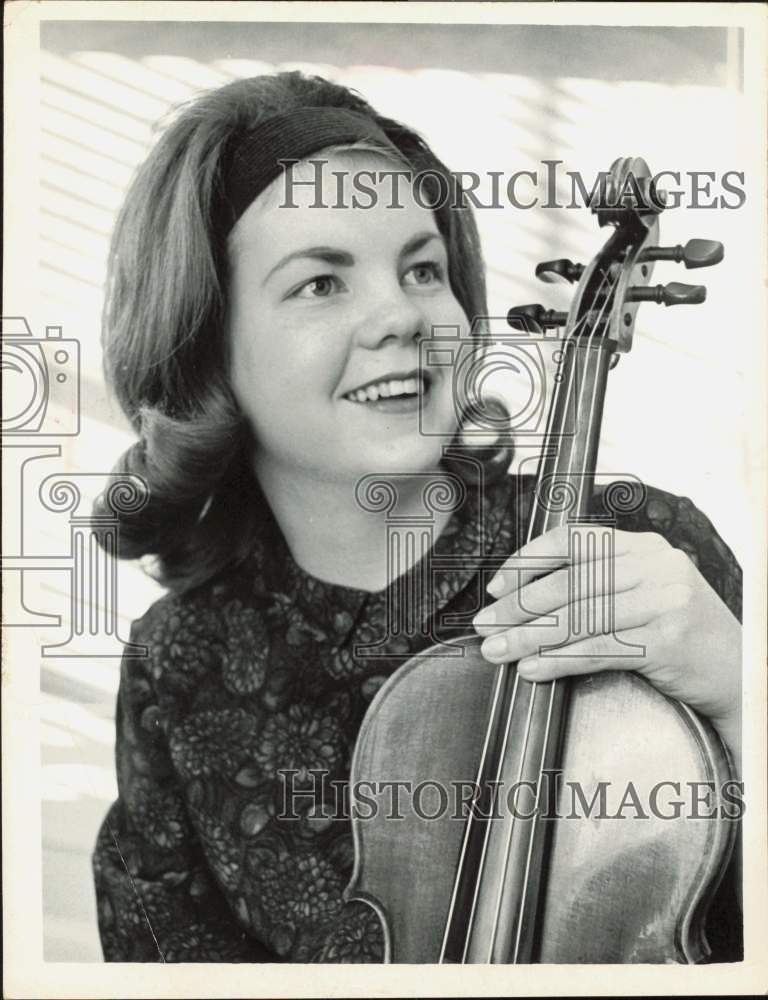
263	338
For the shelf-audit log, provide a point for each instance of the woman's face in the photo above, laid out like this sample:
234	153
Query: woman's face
328	305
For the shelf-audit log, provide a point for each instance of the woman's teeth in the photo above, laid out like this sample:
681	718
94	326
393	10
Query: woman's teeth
385	390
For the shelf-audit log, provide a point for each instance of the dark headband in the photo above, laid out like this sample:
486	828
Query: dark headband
255	162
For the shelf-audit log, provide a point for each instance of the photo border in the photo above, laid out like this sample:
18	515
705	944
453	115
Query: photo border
25	973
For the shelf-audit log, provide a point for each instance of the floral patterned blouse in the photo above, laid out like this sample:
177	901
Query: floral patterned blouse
256	671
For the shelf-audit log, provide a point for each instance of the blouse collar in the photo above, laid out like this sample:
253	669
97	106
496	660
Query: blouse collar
330	611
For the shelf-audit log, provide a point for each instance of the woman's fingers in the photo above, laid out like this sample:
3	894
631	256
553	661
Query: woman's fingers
643	606
598	579
571	622
550	551
626	650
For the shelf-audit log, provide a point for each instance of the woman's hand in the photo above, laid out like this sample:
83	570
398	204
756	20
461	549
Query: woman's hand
649	609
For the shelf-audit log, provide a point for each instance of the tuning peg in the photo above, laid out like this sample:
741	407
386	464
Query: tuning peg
695	253
545	318
673	294
551	271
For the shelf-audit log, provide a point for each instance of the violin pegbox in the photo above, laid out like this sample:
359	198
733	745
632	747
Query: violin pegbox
629	202
610	288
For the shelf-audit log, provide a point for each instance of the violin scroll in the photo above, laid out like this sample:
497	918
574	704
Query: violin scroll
610	288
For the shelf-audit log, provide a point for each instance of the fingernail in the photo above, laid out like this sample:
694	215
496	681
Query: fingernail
495	646
496	586
486	617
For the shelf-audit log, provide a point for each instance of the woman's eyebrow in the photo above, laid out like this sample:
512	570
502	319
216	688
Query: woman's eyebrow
420	240
329	255
342	258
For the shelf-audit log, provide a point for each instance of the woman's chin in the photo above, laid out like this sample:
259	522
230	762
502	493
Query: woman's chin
405	457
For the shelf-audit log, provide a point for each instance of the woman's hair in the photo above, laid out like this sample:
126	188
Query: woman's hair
164	330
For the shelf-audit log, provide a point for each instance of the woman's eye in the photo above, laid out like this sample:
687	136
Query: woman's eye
425	273
318	288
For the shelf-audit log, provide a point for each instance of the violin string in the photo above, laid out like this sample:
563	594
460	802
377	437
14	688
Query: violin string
500	894
548	726
572	337
462	858
462	855
510	713
500	676
529	854
535	687
524	749
553	684
470	927
488	825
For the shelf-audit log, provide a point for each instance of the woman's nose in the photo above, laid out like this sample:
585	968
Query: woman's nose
392	315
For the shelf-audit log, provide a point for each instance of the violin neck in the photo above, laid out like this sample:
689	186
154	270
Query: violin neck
565	476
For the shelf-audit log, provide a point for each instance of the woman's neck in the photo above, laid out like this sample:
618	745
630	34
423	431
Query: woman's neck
333	537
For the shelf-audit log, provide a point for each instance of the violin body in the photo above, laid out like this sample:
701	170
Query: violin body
622	885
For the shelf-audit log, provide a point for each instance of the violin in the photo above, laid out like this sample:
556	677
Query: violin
527	877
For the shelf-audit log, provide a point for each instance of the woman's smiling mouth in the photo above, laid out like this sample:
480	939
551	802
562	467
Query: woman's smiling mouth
396	393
